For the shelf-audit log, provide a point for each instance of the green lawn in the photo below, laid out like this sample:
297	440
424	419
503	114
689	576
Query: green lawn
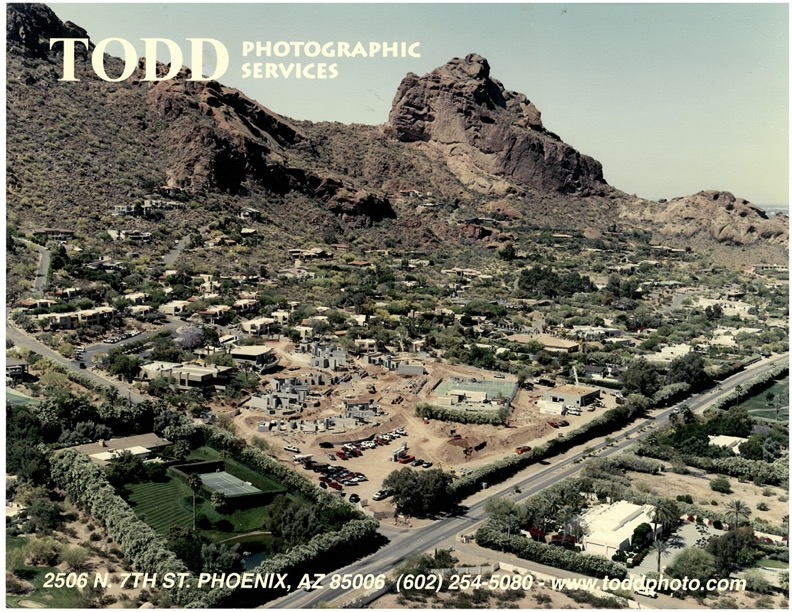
772	564
14	397
166	504
758	406
262	483
41	597
162	504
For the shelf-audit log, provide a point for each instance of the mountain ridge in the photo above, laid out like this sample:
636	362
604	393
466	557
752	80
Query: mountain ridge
455	132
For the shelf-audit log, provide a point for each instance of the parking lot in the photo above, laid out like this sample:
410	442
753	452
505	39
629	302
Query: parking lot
356	470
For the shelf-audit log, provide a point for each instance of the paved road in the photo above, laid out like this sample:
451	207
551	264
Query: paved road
28	342
444	533
174	253
40	282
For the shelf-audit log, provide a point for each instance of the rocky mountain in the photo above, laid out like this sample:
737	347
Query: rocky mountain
456	133
483	129
714	214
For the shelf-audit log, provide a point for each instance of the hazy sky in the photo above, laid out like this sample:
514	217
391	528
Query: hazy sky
671	98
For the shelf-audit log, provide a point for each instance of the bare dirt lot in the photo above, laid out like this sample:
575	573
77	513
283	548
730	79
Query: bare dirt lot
696	484
449	446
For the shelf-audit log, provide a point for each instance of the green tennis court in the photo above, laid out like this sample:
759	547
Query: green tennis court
493	388
228	485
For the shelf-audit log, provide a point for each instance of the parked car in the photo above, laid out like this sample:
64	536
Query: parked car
292	449
553	424
354	498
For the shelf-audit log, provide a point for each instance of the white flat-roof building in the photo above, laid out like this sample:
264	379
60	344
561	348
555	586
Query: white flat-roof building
667	354
611	526
174	307
257	326
572	395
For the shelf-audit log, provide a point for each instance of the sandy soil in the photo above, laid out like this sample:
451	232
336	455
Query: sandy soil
557	599
450	446
696	484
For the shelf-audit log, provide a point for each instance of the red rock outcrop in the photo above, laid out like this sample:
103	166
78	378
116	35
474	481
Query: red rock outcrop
472	117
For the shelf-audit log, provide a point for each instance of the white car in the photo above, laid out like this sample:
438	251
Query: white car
292	449
646	592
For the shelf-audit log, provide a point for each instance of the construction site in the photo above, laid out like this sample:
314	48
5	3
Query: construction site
319	410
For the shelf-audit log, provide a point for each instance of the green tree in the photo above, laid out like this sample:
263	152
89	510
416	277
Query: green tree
662	549
735	510
419	493
693	564
732	549
220	558
688	369
640	377
44	515
194	482
125	468
125	366
666	512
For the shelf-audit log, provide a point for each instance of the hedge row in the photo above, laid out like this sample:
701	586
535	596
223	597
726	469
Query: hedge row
355	535
146	551
503	468
295	482
498	417
669	394
490	536
753	387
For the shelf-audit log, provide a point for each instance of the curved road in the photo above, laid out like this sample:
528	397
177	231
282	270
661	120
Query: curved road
444	533
43	268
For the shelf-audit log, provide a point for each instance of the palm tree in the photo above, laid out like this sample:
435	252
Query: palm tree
665	512
736	509
662	548
195	484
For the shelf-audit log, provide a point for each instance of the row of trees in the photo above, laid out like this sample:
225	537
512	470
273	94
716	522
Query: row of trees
490	417
492	535
505	467
146	551
646	378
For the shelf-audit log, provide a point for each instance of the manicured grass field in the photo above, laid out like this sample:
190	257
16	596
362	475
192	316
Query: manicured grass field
166	504
758	405
262	483
162	504
14	397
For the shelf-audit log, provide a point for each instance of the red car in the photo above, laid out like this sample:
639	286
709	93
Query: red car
335	485
553	424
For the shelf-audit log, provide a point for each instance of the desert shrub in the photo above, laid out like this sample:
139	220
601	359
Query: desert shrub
720	485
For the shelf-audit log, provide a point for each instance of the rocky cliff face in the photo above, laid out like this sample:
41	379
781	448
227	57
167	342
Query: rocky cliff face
235	139
455	133
30	26
479	125
716	214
